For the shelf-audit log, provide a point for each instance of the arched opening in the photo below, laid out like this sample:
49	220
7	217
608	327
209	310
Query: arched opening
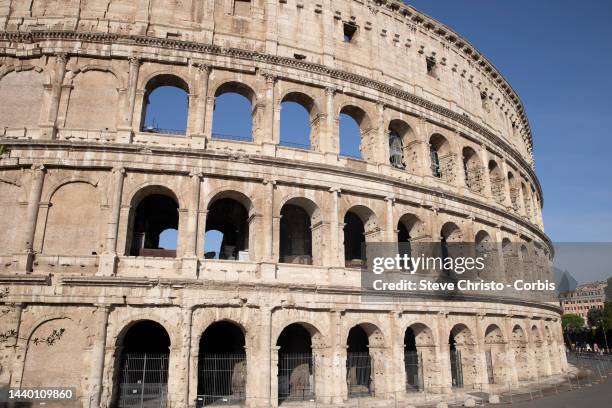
296	377
486	250
143	366
399	137
353	122
497	182
441	158
473	170
155	213
359	223
412	362
295	235
166	105
222	365
409	229
526	201
462	356
359	376
451	244
521	354
228	218
495	352
298	119
539	357
234	112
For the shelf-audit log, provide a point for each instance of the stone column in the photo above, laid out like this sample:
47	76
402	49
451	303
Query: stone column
49	129
390	233
482	375
187	319
27	256
381	142
198	129
259	366
268	138
459	170
510	362
507	199
98	355
330	145
398	373
445	378
335	247
190	256
132	85
268	220
108	260
337	366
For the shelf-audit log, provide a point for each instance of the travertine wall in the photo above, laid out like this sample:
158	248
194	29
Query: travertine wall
73	81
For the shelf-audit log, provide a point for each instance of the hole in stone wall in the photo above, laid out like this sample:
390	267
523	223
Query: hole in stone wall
155	214
230	218
353	238
166	105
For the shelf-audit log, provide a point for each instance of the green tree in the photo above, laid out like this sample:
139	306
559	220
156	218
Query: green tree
608	291
572	321
594	317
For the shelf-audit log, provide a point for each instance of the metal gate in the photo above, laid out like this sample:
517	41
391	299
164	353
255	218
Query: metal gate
456	368
221	379
414	371
359	374
490	373
144	380
295	377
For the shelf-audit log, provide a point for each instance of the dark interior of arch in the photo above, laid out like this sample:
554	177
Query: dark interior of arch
166	105
357	340
451	342
294	339
409	340
296	236
353	237
229	217
154	214
146	337
222	337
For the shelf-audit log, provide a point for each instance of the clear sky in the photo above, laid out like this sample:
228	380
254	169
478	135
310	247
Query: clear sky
557	55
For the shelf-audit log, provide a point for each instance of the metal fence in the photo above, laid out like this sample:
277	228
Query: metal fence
295	377
359	374
144	380
414	371
221	379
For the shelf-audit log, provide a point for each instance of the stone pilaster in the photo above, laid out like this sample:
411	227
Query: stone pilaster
26	257
108	260
126	130
49	129
98	354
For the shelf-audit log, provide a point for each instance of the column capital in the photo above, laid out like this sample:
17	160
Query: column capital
39	167
391	198
135	60
269	181
62	57
335	190
196	174
330	91
269	77
120	170
201	67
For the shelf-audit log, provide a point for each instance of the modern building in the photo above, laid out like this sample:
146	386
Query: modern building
89	183
584	298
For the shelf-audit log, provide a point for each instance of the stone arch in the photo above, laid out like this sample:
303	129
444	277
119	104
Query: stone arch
519	345
419	357
400	136
360	225
360	116
73	220
25	88
153	210
497	180
540	354
131	356
364	359
93	99
495	354
301	235
464	362
300	362
245	119
486	249
512	268
230	216
299	123
473	170
150	104
222	362
442	160
139	191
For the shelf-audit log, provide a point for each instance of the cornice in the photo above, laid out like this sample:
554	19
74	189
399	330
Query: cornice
189	46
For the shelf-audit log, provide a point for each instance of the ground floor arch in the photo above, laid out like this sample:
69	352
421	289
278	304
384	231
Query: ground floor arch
495	355
143	366
463	360
222	365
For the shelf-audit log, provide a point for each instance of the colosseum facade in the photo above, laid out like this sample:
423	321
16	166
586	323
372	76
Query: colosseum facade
89	299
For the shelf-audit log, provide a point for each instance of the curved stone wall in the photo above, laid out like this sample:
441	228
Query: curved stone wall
78	167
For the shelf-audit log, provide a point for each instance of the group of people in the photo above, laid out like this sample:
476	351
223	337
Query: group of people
586	347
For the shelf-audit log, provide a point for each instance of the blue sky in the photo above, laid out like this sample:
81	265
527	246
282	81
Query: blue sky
557	55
